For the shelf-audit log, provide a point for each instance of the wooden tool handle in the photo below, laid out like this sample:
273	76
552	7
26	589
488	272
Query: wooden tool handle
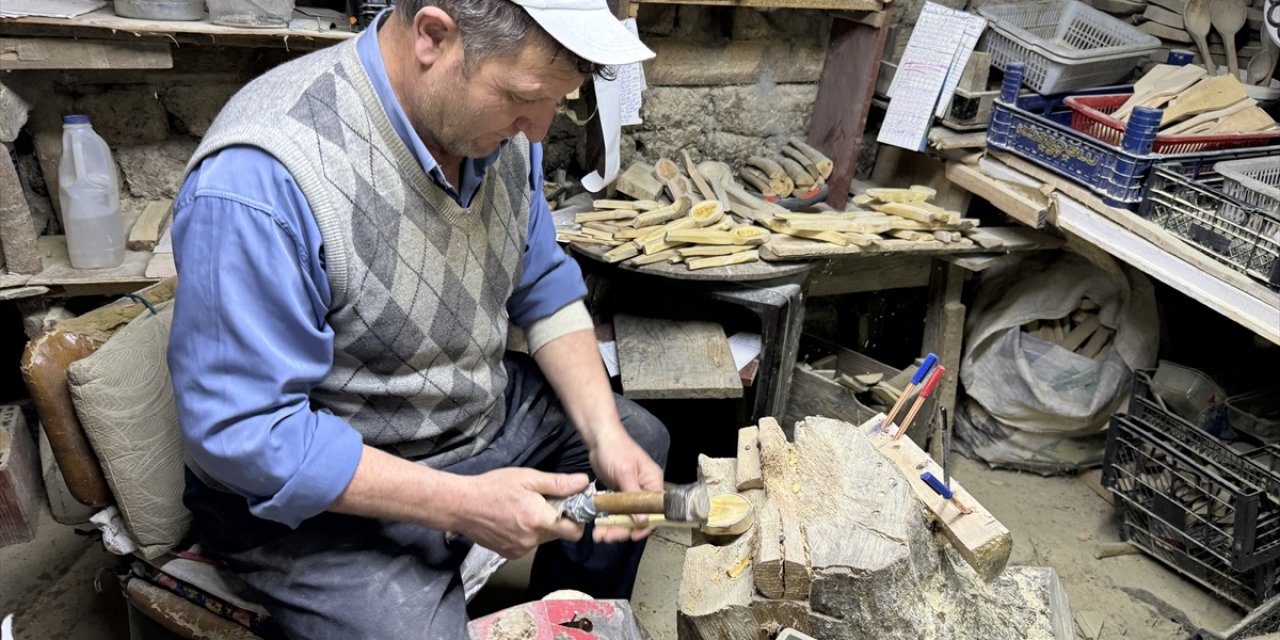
655	520
627	502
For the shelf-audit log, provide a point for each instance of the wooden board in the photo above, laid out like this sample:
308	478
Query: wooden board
835	5
982	540
697	62
748	272
1181	267
782	247
60	53
146	230
59	272
844	99
748	467
671	359
21	491
1018	203
104	23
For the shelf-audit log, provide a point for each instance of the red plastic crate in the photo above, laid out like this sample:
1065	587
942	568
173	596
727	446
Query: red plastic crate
1091	115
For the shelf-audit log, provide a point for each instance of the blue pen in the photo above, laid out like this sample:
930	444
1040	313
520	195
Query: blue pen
943	490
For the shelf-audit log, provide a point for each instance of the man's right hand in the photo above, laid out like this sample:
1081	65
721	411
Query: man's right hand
508	510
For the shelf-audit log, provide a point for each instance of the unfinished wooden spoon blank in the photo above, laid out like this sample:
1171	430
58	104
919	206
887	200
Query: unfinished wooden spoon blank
661	215
706	213
723	261
897	195
819	159
1209	94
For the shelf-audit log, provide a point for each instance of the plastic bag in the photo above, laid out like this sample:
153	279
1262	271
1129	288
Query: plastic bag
1032	386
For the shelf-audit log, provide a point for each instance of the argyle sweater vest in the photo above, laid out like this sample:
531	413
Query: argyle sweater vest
419	284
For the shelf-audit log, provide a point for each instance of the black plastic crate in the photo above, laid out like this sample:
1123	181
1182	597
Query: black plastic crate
1173	547
1212	496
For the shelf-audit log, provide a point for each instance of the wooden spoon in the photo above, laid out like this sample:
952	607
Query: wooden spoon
670	175
1198	20
1263	66
1147	84
1191	125
1228	17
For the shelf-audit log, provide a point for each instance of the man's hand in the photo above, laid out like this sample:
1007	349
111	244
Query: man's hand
623	466
508	511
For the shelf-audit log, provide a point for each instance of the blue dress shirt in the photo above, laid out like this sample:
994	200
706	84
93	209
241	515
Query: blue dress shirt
250	339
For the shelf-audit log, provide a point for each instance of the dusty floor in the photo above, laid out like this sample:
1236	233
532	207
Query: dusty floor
1055	522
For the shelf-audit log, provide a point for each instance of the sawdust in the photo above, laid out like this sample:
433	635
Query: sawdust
514	625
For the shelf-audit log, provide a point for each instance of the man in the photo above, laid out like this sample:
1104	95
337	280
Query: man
356	232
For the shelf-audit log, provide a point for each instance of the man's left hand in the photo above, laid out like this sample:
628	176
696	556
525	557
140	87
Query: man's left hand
624	466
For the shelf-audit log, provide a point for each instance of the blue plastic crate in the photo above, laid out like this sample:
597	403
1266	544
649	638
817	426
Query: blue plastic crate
1038	128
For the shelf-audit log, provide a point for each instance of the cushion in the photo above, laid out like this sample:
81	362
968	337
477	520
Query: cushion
124	399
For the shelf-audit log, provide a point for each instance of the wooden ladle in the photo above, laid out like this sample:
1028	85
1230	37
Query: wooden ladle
1197	19
1263	65
1228	17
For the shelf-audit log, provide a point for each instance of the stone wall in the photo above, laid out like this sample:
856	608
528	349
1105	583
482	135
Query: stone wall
725	81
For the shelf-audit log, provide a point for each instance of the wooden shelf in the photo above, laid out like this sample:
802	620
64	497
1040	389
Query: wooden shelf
1140	243
833	5
104	23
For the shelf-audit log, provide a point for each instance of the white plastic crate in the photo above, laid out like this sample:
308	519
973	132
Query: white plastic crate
1255	182
1065	44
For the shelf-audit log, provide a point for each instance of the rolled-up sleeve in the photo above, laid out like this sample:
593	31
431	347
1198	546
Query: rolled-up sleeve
551	280
250	342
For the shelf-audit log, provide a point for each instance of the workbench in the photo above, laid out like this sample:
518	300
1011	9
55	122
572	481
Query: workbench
775	293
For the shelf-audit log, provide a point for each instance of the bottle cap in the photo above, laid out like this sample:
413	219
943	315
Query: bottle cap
75	119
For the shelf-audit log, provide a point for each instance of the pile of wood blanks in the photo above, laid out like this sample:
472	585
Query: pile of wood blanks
646	232
705	218
795	171
841	549
873	388
1081	331
1196	103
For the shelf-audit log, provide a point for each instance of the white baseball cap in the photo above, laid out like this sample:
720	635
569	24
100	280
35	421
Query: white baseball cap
589	29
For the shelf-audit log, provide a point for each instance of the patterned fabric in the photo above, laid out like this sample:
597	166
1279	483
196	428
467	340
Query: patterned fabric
419	284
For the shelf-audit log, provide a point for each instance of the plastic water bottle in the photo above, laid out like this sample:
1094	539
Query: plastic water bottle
90	197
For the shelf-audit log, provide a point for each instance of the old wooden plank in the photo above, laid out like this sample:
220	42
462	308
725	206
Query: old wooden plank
784	247
58	271
982	540
671	359
66	53
844	99
748	467
1019	203
944	329
146	230
836	277
105	24
836	5
21	491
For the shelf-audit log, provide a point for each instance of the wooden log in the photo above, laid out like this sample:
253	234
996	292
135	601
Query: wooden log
715	592
748	469
878	570
21	491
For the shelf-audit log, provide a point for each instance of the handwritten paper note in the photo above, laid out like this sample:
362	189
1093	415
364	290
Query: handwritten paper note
928	73
631	83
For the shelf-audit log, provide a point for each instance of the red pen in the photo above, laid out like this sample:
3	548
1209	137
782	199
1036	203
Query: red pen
929	386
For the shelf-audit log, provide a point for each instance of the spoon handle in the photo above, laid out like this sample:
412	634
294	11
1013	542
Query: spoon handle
1205	58
1233	65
